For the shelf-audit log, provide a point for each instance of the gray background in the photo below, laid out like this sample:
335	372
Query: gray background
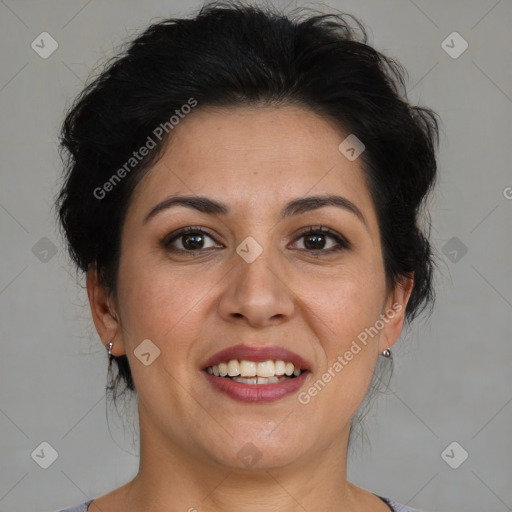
452	380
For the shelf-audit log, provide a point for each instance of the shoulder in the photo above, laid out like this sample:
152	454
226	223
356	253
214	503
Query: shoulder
398	507
82	507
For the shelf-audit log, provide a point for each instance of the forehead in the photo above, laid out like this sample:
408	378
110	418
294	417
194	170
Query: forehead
254	158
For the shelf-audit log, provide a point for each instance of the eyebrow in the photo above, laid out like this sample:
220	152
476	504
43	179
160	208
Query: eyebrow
295	207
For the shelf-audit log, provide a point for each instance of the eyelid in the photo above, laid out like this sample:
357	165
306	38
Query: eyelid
174	235
343	243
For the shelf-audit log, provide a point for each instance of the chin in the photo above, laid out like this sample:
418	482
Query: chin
260	451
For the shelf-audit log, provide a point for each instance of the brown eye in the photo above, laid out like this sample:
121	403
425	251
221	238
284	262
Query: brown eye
191	239
315	240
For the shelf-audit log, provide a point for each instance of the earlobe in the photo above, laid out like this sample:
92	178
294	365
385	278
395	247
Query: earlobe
103	312
394	313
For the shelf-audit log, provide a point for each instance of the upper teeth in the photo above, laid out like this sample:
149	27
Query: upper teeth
246	368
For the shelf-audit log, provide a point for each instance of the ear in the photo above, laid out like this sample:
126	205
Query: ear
394	313
104	313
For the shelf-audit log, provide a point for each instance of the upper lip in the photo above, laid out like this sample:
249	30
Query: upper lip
257	354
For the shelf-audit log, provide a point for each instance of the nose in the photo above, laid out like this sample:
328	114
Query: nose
257	294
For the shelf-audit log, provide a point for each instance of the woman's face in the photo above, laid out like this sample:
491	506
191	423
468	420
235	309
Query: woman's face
252	277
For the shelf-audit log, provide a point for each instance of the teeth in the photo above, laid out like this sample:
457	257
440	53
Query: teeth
259	380
223	369
233	368
246	380
266	371
247	368
280	367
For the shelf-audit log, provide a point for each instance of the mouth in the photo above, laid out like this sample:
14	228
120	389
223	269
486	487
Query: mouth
253	374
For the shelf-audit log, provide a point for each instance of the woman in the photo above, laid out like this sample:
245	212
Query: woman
243	192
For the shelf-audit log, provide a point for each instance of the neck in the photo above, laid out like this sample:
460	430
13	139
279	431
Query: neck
169	478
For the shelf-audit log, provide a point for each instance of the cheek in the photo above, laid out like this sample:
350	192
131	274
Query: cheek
345	302
344	309
161	303
342	313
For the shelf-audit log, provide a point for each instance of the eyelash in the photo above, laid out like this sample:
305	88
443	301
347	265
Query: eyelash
343	243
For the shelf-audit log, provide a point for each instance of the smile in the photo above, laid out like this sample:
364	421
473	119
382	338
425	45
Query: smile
256	374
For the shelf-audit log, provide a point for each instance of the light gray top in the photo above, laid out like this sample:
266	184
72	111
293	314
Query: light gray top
393	505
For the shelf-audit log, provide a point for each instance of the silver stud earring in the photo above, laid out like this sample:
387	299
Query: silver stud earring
386	353
110	356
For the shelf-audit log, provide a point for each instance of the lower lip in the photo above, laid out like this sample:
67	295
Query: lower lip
256	392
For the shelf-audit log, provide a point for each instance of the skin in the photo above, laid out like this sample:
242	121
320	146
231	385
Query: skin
255	160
